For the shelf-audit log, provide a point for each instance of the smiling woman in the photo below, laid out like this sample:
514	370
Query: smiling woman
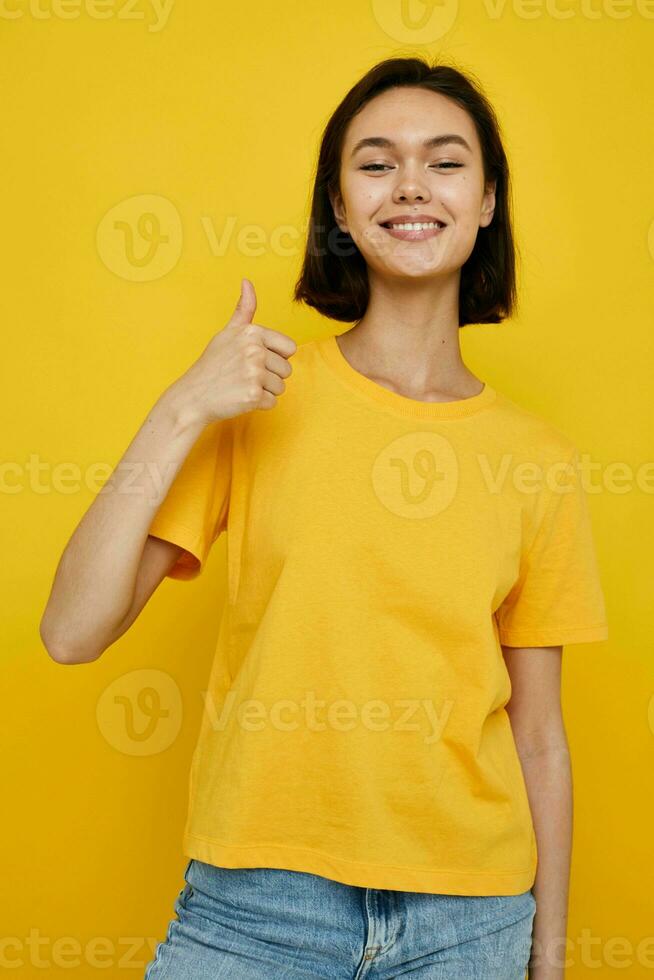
407	121
381	782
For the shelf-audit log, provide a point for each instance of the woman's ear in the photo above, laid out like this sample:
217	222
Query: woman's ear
488	205
338	209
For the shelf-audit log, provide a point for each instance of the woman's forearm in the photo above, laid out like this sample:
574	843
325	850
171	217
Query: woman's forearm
548	777
94	580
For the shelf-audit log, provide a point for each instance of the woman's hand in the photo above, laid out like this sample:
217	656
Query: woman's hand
241	368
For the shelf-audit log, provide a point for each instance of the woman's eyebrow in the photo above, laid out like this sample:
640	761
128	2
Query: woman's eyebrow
428	144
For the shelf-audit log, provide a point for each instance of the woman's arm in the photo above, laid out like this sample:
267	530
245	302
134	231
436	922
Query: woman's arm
97	574
537	723
109	567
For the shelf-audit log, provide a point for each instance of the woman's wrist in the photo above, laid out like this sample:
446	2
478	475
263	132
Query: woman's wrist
178	403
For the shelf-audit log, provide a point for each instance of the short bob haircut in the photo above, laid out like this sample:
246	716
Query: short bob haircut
334	276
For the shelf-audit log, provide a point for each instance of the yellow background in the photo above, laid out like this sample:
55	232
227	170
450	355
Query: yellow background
210	117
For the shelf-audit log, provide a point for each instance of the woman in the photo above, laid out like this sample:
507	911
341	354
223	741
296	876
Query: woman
381	783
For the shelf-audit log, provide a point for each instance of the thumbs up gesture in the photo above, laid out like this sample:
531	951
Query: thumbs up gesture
242	367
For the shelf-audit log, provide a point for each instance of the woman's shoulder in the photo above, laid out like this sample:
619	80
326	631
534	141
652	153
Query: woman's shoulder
532	429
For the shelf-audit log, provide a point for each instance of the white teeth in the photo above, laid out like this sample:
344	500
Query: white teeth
416	225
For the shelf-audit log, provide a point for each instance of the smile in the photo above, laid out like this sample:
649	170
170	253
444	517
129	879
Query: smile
415	230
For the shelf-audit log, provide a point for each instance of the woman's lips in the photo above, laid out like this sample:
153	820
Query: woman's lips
415	235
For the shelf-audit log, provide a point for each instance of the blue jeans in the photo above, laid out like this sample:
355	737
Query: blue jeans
274	924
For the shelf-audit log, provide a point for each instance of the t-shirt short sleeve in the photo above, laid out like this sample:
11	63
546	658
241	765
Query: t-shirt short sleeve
194	511
557	598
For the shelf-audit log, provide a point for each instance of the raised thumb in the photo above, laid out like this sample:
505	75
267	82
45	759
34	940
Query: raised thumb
247	303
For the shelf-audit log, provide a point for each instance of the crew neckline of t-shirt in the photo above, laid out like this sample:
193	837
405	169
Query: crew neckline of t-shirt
334	358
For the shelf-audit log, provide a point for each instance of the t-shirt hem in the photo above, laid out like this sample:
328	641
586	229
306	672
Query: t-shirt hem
187	539
359	874
554	637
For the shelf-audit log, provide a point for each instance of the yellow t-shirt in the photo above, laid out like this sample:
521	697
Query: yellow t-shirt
380	550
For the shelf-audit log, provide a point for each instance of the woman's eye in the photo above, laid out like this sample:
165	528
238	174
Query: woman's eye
378	166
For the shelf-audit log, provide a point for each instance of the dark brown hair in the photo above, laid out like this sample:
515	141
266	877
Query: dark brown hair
334	276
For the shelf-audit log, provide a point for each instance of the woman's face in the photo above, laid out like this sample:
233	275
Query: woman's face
444	182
